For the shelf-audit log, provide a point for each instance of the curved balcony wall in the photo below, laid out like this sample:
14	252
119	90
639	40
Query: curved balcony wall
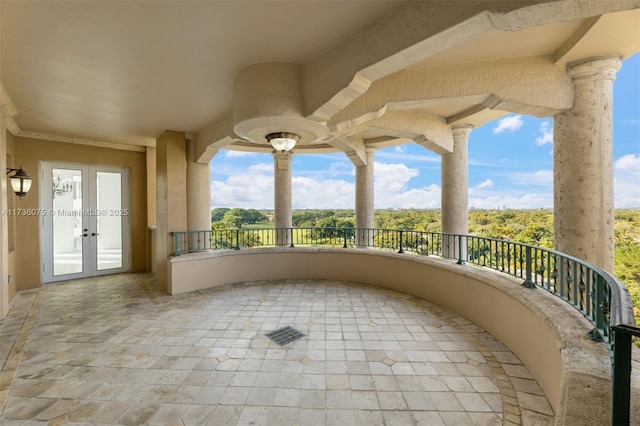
548	335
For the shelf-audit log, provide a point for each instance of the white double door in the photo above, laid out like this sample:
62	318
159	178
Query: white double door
85	220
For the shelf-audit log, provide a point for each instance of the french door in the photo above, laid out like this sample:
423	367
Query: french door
85	220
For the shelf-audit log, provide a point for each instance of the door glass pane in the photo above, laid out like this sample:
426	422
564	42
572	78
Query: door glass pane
109	220
67	221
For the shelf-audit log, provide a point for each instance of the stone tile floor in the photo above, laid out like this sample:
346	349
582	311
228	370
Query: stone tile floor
119	350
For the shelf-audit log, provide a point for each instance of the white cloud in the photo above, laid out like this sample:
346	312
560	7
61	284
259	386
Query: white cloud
310	193
390	188
547	134
342	168
626	182
508	124
486	184
501	199
251	189
514	190
428	157
427	197
400	149
628	162
537	178
392	178
254	189
238	154
630	121
261	168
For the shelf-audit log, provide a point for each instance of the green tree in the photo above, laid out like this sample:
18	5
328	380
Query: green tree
234	217
218	213
536	234
253	216
303	219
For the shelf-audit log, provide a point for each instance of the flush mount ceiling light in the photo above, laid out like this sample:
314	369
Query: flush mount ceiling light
282	141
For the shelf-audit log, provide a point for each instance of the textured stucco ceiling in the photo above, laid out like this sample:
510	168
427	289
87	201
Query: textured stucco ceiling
123	72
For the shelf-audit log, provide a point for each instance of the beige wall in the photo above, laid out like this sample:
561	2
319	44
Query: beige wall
29	152
151	208
12	201
4	230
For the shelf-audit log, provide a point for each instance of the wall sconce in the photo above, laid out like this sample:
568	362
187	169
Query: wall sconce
20	181
282	141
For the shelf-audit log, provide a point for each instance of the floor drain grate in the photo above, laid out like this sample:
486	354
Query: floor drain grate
284	335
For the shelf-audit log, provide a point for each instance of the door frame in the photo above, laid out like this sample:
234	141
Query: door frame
89	205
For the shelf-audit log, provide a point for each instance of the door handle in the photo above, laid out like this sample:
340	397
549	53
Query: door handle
93	234
84	232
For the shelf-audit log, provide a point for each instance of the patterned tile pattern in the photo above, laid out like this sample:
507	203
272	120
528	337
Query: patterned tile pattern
118	350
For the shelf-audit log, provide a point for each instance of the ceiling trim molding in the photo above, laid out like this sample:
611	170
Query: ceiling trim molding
81	141
6	103
8	110
11	125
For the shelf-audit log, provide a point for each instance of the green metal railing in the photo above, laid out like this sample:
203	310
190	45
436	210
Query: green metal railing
601	298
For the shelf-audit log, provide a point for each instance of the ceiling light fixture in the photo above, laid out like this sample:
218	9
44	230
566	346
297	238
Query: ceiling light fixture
282	141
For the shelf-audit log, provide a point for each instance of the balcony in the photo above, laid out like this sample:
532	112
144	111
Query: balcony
456	272
412	337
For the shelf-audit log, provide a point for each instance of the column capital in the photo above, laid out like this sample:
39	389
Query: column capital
282	159
370	152
594	69
461	130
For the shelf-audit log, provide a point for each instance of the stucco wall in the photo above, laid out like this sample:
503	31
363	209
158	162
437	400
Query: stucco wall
29	152
12	202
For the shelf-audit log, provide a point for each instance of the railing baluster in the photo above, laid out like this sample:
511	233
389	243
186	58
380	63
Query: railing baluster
528	282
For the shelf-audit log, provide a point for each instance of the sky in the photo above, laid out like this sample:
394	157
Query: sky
510	166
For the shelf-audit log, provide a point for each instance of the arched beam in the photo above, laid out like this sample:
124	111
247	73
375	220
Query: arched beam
353	147
212	138
417	30
503	85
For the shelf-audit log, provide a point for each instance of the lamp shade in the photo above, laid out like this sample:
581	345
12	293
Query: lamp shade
282	141
20	182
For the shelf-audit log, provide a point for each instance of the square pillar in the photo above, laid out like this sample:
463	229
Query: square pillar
171	198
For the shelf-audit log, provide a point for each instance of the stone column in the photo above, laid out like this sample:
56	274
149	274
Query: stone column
455	191
282	196
583	165
198	192
171	198
364	202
